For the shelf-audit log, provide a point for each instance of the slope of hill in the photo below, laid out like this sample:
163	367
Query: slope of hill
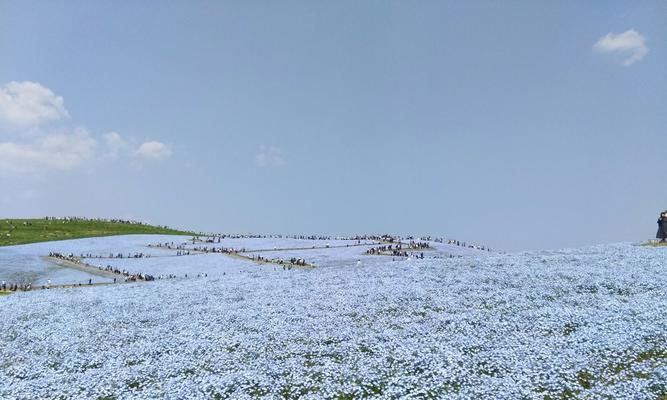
22	231
583	323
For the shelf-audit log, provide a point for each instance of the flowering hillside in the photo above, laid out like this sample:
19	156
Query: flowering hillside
581	323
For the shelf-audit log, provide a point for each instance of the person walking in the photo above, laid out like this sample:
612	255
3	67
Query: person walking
662	227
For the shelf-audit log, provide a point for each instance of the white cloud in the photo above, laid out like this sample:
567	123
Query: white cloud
114	144
29	103
39	149
627	47
269	156
51	152
153	150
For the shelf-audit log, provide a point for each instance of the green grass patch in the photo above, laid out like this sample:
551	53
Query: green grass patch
22	231
655	244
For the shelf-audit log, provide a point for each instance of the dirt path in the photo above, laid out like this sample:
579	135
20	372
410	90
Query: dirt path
81	266
269	261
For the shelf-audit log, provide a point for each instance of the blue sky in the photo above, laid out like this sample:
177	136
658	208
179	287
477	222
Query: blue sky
518	125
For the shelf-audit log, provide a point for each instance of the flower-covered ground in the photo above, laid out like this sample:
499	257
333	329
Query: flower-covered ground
25	263
581	323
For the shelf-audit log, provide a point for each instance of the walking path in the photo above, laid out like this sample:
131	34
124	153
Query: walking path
65	286
81	266
262	261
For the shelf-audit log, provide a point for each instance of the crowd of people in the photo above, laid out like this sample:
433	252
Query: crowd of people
181	250
169	246
384	238
15	287
286	264
216	238
400	249
65	257
117	255
213	249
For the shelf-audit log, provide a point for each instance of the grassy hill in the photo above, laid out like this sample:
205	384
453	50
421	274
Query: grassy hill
21	231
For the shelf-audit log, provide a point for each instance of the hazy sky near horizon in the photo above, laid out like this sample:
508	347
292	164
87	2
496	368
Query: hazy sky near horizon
517	124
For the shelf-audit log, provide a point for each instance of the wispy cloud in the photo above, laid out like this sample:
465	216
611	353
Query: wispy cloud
269	157
627	47
59	151
115	144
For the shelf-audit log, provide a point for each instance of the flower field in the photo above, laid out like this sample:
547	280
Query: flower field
577	323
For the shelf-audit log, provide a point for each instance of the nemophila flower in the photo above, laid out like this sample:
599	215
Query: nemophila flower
580	322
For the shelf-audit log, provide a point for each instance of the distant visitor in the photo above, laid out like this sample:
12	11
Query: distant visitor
662	227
